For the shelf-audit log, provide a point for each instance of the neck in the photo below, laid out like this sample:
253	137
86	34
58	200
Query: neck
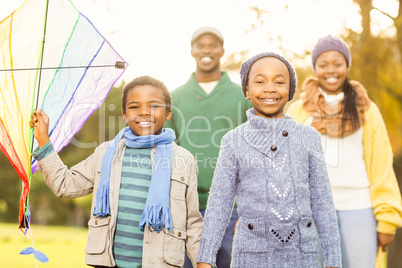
205	77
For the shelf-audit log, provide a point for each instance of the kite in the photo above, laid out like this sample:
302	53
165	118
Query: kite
53	58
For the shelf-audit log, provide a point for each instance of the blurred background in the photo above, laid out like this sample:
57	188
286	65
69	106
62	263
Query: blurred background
154	37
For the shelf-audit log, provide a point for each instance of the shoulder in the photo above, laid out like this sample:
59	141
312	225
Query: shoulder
296	105
373	112
182	152
297	111
184	87
233	137
228	83
310	138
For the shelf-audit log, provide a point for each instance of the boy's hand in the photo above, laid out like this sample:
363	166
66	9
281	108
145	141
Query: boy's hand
40	123
203	265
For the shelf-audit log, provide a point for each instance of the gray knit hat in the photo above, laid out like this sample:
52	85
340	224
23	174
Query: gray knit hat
245	70
330	42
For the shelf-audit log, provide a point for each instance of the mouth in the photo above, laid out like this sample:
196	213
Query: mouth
144	124
270	101
206	60
331	80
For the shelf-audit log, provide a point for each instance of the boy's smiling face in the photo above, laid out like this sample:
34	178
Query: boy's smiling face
146	110
268	87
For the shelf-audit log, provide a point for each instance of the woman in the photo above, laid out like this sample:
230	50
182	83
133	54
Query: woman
357	152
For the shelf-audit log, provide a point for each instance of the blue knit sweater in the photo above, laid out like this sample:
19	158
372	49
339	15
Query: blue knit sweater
276	171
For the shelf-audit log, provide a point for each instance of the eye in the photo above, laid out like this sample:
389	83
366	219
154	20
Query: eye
156	106
259	82
132	107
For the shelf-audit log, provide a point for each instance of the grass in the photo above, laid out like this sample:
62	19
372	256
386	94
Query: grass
64	246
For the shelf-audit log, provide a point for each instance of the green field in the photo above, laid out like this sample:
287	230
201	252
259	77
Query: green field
64	246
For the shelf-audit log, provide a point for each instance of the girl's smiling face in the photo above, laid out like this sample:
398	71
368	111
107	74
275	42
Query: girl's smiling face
268	87
146	110
331	70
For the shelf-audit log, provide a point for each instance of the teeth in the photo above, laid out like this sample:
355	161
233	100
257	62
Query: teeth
269	100
206	60
332	80
145	123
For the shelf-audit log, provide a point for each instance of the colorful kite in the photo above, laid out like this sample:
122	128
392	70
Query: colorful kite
53	58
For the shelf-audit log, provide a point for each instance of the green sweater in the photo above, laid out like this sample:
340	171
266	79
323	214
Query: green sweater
200	120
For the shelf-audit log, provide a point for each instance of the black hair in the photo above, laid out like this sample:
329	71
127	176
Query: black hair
350	106
144	81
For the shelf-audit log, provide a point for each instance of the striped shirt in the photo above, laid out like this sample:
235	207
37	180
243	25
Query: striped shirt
135	180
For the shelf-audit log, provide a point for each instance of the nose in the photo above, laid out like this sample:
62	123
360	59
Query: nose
270	88
144	110
331	68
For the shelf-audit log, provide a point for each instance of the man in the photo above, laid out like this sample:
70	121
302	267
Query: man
204	109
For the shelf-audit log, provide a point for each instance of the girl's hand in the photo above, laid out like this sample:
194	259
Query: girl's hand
383	240
203	265
40	123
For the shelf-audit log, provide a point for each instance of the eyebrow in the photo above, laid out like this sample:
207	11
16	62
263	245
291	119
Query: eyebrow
151	101
276	75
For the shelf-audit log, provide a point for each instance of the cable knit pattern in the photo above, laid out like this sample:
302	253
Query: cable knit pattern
276	171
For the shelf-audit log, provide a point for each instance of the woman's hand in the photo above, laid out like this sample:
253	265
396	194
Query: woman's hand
383	240
203	265
40	123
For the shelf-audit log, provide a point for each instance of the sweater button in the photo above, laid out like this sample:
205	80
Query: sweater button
285	133
96	222
179	234
309	224
273	148
250	226
182	178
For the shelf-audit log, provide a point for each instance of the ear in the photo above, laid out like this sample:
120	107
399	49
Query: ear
124	117
168	115
192	52
247	93
223	52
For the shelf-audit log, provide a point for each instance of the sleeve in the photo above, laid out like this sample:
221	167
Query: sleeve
41	153
220	203
378	157
322	206
75	182
194	218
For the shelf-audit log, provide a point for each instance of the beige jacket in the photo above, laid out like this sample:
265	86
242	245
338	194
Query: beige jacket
159	249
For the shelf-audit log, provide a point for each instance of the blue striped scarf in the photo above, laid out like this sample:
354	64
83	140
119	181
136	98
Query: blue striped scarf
156	213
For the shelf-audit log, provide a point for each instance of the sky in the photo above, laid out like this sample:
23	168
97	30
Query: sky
154	36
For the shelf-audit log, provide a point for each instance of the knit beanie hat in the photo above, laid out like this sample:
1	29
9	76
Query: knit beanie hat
330	42
245	70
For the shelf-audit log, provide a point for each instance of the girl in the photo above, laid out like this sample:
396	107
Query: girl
145	202
275	169
358	153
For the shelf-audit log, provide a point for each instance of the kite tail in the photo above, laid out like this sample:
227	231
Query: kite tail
157	218
102	207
